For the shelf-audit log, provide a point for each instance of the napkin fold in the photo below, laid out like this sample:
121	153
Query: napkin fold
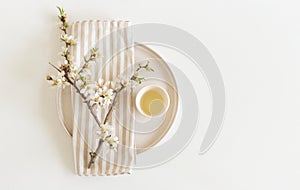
115	43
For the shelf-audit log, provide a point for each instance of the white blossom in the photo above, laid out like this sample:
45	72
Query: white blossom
102	85
68	39
73	72
113	142
95	98
60	80
106	133
105	93
85	89
102	135
121	81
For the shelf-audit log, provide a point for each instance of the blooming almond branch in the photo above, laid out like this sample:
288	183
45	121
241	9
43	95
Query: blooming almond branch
96	95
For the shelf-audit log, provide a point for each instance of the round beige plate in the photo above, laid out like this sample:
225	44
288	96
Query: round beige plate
148	132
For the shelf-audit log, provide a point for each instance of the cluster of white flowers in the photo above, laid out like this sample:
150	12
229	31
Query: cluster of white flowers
65	52
99	94
59	81
103	95
73	71
106	133
68	39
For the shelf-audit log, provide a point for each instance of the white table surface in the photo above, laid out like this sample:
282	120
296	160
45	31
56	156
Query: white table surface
256	45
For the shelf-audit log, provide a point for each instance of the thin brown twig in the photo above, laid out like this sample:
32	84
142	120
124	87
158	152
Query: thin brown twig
54	67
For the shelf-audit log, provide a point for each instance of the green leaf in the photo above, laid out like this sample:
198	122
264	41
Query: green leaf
149	69
82	78
140	80
59	9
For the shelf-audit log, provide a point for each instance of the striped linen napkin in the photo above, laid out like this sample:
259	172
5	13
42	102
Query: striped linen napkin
112	64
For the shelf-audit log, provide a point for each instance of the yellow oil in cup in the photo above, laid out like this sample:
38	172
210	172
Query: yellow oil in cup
152	101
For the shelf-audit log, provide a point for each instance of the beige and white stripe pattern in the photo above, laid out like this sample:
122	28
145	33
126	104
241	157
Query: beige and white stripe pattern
114	62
